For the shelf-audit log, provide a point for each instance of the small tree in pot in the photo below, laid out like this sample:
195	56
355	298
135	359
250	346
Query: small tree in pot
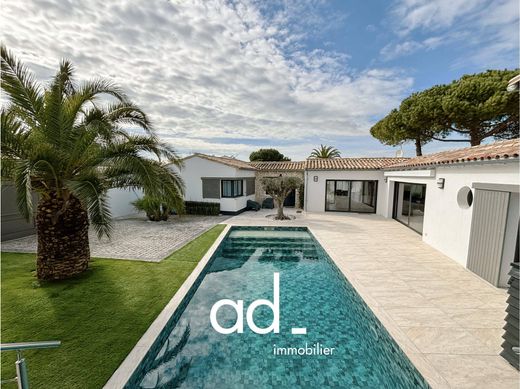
279	188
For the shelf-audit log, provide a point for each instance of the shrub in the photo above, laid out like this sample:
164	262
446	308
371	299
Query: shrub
158	209
202	208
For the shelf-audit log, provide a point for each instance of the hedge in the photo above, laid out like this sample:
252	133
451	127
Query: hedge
201	208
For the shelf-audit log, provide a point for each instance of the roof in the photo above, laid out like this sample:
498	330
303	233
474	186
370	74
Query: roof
229	161
501	150
279	165
351	163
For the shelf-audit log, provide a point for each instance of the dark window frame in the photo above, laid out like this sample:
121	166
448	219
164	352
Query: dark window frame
396	200
233	194
350	195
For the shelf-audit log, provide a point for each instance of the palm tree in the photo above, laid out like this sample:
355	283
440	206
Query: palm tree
325	152
70	147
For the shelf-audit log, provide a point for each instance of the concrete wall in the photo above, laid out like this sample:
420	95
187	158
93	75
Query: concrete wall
195	168
446	224
315	191
13	224
120	201
260	193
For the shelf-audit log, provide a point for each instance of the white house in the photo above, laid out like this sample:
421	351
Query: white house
464	202
224	180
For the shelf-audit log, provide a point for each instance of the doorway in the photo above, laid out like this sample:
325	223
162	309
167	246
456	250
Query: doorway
351	196
409	202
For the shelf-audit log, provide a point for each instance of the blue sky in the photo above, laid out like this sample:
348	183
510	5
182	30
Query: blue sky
227	77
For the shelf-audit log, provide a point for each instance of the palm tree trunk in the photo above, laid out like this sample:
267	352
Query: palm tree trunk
63	247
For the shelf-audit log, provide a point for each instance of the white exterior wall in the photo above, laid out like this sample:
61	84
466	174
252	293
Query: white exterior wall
315	191
196	168
120	201
446	225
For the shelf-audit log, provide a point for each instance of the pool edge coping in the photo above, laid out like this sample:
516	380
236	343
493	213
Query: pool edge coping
416	357
122	374
125	370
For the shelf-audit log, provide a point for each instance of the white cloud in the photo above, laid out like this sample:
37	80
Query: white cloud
487	30
396	50
207	69
432	14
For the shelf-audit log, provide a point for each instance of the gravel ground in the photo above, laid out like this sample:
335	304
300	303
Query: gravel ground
136	238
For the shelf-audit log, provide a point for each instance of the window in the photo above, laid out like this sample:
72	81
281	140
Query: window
351	196
232	188
465	197
409	202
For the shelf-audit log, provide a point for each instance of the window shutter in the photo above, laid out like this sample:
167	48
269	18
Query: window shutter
211	188
250	186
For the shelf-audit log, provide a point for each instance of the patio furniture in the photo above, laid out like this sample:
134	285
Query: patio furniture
253	205
268	203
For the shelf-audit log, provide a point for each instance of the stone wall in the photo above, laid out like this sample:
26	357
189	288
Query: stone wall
260	194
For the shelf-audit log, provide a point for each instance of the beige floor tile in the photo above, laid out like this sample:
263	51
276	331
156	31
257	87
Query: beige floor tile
477	318
477	371
399	298
491	337
420	317
447	341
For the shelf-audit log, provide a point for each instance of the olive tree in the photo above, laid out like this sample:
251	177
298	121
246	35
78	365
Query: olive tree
279	188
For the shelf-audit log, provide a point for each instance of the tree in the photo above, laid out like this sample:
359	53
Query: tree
478	106
159	209
279	188
68	146
267	155
415	120
325	152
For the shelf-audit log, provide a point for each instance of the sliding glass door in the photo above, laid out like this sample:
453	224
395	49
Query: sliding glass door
351	196
409	201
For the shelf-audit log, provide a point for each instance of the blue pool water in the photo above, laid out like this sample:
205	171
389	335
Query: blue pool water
314	295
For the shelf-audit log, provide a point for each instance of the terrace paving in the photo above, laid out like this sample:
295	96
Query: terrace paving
445	318
136	238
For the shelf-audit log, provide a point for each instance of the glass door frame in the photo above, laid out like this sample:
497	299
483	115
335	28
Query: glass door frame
395	205
376	187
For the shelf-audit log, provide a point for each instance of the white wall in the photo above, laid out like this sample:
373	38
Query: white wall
120	201
315	191
447	225
195	168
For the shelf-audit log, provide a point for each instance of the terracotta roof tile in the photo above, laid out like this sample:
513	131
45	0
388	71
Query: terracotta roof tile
229	161
499	150
279	165
351	163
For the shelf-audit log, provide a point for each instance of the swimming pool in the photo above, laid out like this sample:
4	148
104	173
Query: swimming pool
313	295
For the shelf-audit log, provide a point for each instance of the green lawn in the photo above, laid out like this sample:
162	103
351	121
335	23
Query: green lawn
98	317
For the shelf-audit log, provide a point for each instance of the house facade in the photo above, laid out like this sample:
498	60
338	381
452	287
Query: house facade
222	180
464	202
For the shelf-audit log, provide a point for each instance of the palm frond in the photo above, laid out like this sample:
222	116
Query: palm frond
91	191
125	112
64	78
325	152
20	86
22	182
13	135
